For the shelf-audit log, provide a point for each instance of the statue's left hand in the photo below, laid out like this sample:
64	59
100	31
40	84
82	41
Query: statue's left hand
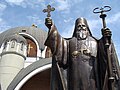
106	33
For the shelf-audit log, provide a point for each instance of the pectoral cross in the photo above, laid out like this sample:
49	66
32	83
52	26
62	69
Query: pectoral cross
48	10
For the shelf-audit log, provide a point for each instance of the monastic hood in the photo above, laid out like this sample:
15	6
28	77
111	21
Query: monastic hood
83	21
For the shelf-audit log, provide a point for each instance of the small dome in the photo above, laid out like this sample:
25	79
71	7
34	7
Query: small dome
18	38
38	34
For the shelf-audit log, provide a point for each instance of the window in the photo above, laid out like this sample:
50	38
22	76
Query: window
31	48
5	44
13	43
22	45
23	30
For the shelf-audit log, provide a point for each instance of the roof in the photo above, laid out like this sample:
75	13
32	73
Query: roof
38	34
16	37
24	72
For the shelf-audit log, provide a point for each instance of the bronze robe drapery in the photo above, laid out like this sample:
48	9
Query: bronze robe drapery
80	69
103	66
59	49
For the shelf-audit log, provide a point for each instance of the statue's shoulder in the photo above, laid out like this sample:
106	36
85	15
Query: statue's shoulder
93	38
73	38
70	40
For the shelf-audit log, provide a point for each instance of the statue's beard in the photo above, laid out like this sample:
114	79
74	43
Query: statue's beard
82	34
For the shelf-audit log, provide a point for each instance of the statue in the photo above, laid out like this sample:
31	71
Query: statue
80	57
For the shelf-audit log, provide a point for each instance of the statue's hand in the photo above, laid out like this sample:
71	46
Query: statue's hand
48	22
107	34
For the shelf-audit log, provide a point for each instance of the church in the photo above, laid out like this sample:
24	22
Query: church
25	61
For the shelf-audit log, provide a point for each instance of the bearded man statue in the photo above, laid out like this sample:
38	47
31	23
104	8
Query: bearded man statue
77	56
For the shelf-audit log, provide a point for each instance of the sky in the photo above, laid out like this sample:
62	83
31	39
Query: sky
15	13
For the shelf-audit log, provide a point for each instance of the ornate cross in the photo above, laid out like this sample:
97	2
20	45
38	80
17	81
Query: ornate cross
48	10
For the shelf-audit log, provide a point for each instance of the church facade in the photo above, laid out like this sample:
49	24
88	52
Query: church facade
24	60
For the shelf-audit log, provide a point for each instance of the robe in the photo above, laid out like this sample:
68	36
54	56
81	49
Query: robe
80	67
103	66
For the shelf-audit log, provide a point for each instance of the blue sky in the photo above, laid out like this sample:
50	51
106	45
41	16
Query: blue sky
14	13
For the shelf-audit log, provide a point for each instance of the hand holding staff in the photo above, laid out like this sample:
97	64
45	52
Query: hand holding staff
107	38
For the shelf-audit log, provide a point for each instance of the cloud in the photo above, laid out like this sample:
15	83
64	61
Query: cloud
21	3
93	24
73	2
35	4
16	2
3	25
35	19
62	5
65	5
2	7
27	3
114	18
68	20
68	32
95	27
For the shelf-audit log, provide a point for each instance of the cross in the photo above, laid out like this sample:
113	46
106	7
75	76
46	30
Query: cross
29	47
48	10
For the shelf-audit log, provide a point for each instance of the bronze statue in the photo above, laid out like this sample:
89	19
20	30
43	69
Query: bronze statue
81	58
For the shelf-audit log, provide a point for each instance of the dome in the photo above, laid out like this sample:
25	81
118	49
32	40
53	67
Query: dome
38	34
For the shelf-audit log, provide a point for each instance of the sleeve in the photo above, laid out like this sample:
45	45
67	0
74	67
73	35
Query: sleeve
103	63
58	46
115	62
115	66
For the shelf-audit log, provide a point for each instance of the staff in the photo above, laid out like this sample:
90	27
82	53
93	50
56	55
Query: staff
107	40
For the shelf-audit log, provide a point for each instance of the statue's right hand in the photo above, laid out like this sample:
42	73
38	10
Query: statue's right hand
48	22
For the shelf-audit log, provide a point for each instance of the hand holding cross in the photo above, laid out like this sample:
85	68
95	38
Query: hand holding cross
48	20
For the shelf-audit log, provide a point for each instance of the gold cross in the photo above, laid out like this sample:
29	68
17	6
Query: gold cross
48	10
29	47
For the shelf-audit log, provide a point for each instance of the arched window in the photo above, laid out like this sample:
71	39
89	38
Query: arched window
5	44
31	48
13	41
22	45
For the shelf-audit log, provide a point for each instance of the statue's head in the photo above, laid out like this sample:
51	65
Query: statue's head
81	29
